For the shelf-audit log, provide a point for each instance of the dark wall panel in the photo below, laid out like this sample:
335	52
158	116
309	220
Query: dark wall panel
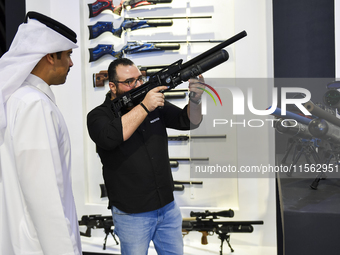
304	38
304	47
15	14
2	28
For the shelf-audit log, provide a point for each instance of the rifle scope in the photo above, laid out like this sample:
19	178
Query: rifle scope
229	213
332	98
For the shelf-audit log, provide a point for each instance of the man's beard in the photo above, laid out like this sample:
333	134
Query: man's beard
119	92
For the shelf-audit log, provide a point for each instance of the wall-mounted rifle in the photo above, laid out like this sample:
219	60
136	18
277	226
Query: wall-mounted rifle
101	5
131	24
133	47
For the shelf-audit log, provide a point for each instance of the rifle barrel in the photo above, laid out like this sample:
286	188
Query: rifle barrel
180	41
187	159
186	137
188	182
182	17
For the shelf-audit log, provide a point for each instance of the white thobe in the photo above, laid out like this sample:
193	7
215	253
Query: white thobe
38	215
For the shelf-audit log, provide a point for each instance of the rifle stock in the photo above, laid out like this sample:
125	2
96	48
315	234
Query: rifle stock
101	27
100	78
131	4
100	5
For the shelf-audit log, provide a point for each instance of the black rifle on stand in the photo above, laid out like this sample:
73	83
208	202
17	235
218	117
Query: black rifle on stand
206	222
98	221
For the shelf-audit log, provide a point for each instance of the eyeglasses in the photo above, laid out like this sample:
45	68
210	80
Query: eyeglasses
132	82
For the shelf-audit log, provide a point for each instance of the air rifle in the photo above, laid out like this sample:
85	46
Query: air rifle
134	24
97	221
206	224
100	5
175	74
187	137
133	47
188	159
174	161
131	4
102	76
179	185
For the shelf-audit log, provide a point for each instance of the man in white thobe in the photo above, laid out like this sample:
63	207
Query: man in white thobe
37	209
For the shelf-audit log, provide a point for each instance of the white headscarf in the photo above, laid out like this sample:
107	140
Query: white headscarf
31	43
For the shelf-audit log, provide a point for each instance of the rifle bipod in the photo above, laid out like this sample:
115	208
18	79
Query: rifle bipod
107	232
332	152
301	147
224	237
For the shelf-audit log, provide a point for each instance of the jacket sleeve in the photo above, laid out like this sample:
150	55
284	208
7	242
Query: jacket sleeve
104	129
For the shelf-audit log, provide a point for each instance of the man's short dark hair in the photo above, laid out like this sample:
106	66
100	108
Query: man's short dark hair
113	67
59	54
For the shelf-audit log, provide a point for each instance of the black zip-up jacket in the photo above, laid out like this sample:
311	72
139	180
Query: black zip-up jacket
136	172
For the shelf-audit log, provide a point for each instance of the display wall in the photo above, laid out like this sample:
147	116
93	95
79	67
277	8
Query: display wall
251	57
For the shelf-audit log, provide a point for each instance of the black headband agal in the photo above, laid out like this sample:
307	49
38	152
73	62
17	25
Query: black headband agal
53	24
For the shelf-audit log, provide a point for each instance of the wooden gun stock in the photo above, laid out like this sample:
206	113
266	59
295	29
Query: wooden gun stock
100	78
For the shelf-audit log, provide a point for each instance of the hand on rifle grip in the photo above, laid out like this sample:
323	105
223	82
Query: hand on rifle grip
154	98
204	239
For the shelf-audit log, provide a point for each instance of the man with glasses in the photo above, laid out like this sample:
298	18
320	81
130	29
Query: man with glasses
134	153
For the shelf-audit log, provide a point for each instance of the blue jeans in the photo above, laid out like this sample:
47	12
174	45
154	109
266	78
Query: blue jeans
162	226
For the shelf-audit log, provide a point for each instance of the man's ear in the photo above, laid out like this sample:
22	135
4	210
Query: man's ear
113	87
50	58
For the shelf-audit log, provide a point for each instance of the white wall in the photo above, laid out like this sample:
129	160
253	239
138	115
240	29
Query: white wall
249	58
337	38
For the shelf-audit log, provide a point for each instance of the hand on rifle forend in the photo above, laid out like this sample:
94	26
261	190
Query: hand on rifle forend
196	87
